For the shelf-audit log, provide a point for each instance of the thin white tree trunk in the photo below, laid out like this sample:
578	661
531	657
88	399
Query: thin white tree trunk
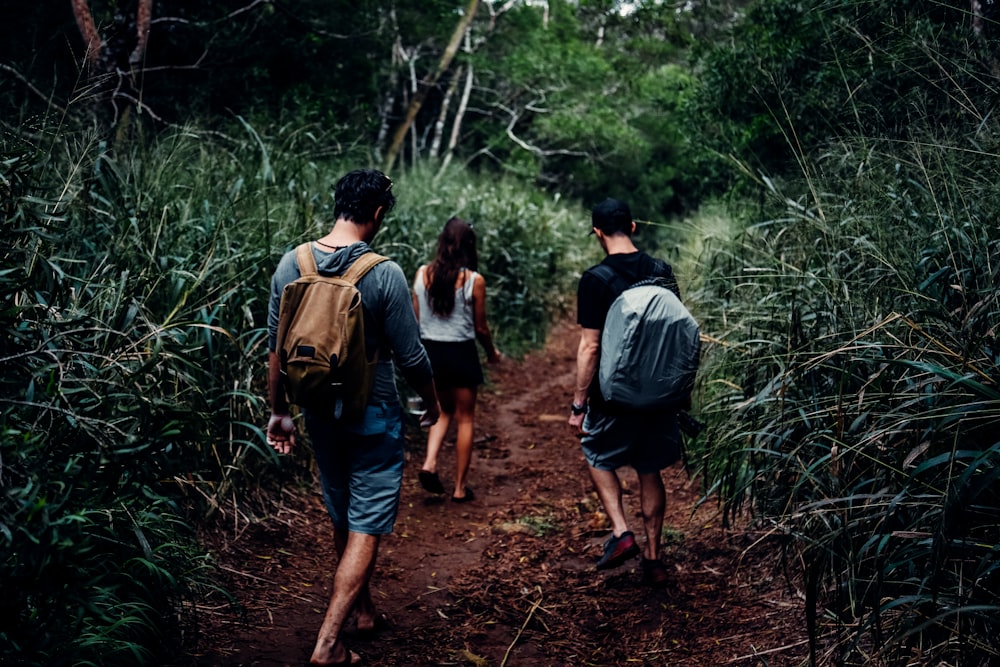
396	60
435	149
456	127
461	28
383	129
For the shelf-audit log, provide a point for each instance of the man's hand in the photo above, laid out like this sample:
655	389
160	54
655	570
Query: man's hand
576	423
431	414
281	433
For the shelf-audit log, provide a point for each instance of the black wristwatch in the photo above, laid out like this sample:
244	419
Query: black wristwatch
577	409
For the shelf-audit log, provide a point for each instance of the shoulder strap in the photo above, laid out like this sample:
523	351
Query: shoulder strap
666	276
611	278
361	266
469	285
307	261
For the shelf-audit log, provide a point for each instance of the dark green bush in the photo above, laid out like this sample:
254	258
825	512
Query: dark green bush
860	397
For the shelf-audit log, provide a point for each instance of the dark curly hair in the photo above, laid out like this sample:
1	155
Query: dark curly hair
360	193
456	250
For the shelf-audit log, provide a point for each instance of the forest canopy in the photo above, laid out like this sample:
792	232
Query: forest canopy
559	93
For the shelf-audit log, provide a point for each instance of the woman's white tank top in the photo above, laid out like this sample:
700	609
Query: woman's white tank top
459	325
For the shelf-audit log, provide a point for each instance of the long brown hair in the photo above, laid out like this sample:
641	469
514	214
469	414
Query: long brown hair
456	250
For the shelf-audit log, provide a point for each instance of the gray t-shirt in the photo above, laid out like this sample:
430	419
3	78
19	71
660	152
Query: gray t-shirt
389	319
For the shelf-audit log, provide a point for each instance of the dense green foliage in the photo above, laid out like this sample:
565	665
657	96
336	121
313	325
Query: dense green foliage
792	76
594	100
134	301
847	283
855	373
580	99
122	401
861	371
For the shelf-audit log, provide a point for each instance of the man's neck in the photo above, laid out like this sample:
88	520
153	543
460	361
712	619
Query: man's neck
619	245
345	233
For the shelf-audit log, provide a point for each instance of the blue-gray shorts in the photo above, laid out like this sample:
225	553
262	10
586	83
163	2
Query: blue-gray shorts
649	442
361	468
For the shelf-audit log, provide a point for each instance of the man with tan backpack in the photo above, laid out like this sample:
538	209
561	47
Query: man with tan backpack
340	319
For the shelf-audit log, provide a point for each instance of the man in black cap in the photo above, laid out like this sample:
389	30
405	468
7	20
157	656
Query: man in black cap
611	439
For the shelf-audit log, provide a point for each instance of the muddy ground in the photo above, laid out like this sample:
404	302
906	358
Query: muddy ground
509	579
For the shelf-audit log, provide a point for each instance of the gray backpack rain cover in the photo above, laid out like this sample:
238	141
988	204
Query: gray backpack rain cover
650	349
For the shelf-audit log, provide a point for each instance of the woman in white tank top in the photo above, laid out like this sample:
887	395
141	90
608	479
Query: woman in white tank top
449	298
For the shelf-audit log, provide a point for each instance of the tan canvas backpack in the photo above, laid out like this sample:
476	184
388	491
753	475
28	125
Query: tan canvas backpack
321	338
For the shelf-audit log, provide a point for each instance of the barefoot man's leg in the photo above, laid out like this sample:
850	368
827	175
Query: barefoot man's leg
365	605
357	563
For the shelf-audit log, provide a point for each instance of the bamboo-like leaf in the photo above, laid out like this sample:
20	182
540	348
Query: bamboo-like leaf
956	379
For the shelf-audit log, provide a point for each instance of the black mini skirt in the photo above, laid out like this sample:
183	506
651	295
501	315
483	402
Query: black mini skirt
455	364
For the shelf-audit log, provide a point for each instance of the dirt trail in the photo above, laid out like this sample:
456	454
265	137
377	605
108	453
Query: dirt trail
508	579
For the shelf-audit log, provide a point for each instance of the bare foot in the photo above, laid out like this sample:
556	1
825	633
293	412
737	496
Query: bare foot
346	657
327	653
371	621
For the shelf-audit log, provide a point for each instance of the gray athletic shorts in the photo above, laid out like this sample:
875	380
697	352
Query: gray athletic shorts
648	442
361	468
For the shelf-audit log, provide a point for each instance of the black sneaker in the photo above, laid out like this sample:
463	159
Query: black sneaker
617	550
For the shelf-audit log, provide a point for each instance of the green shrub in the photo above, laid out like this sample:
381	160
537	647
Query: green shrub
532	248
133	363
856	396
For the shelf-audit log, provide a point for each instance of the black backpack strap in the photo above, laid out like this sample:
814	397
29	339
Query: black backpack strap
665	276
614	280
660	273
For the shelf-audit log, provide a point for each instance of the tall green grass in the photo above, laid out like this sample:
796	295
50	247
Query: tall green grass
134	292
532	247
854	389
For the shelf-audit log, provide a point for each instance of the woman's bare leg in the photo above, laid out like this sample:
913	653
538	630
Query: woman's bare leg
436	433
465	411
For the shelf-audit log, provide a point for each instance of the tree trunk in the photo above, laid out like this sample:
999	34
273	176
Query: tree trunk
457	125
88	30
143	17
427	84
443	116
390	98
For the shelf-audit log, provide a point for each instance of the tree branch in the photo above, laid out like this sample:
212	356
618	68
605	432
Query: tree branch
534	150
31	87
456	127
142	106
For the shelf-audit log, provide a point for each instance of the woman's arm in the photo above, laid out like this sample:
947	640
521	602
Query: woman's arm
416	301
483	334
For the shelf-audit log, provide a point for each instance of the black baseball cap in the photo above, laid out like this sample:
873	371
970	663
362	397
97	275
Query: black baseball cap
611	216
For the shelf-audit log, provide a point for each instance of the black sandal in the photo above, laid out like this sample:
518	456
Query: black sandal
468	497
431	482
